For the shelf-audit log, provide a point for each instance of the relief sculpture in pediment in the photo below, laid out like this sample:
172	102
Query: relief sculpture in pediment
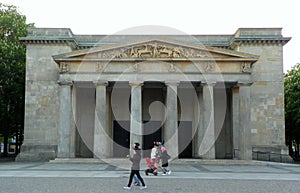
153	50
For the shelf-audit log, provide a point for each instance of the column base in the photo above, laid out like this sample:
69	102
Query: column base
36	153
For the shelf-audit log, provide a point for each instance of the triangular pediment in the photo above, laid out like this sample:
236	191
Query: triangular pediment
155	50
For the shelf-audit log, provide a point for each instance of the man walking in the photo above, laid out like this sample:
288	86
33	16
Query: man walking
135	168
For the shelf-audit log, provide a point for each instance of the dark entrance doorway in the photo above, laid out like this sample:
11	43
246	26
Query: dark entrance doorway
121	137
151	131
185	136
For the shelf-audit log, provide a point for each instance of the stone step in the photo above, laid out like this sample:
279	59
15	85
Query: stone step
124	161
77	160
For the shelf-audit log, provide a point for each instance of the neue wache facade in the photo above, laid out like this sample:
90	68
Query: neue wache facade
203	96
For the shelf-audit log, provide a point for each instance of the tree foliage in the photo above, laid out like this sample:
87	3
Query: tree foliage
12	71
292	107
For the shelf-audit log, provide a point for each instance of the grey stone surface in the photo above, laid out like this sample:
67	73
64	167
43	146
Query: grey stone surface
187	176
209	138
65	116
101	139
136	122
171	123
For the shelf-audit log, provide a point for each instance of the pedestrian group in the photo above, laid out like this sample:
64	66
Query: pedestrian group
158	160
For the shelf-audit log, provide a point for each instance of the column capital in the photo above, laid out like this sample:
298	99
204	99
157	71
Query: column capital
208	83
100	82
65	82
239	84
172	83
136	83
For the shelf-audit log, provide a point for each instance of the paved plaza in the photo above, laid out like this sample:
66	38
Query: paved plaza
187	177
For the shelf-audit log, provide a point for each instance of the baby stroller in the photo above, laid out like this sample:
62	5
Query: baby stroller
151	167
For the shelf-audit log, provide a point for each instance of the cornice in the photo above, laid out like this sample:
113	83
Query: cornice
70	41
249	40
243	36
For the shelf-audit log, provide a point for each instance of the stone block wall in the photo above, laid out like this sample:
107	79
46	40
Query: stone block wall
267	92
41	102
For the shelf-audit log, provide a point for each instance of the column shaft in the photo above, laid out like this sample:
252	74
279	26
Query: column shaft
65	115
245	151
136	124
207	147
101	137
171	123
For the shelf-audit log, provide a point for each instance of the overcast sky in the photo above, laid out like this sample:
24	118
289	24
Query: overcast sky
190	17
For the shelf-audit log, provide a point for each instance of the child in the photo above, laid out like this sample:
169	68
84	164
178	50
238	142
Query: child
136	181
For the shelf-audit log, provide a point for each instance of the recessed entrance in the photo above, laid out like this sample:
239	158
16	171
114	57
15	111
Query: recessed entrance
152	131
185	136
121	138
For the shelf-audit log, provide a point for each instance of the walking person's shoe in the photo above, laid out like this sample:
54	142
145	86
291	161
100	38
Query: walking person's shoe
126	188
169	172
143	187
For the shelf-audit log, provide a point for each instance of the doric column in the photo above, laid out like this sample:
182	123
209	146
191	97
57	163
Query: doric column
235	121
65	116
171	123
207	147
200	122
136	134
101	137
245	148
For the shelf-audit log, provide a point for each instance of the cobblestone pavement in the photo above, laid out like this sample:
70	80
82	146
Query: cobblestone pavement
188	177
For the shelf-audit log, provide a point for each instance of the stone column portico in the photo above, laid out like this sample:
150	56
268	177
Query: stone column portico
245	148
136	130
65	116
171	122
101	138
207	147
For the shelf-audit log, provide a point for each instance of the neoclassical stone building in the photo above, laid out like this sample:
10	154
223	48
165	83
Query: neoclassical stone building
204	96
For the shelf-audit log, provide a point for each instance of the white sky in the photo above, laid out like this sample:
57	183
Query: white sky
189	16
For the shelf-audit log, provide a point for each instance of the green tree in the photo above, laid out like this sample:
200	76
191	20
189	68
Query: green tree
12	73
292	108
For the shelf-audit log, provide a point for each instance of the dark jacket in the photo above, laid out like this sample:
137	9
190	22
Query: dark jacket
136	160
164	158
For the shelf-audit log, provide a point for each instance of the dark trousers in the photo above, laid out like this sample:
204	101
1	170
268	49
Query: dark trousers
137	173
